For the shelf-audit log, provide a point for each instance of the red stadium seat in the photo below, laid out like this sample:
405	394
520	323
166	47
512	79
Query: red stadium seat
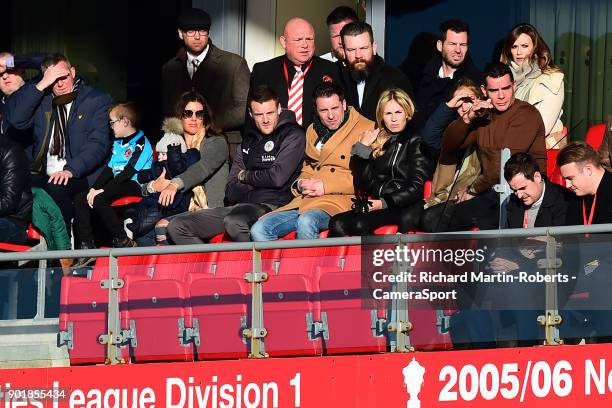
427	189
554	175
219	308
84	306
120	202
595	135
158	310
351	328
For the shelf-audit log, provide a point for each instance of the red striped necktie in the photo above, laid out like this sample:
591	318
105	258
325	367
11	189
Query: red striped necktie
296	91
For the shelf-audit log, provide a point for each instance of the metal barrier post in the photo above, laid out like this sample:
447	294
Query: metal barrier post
399	323
503	188
551	318
257	332
113	338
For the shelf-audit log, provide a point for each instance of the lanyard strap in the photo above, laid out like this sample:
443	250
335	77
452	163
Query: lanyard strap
287	72
591	212
526	219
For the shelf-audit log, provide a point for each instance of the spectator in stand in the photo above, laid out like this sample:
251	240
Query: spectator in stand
173	158
338	18
366	75
498	122
457	174
205	178
389	171
221	77
12	71
580	166
15	193
131	153
296	73
605	149
537	79
264	168
325	185
71	145
444	70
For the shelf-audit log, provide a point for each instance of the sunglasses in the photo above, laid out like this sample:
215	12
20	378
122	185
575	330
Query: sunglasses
189	114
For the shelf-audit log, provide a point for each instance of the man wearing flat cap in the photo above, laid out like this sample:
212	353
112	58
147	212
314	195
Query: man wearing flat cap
220	76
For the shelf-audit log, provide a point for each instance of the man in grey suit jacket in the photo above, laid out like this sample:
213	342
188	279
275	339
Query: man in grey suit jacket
220	76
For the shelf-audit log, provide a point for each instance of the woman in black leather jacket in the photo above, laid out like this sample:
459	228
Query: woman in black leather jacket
389	172
15	193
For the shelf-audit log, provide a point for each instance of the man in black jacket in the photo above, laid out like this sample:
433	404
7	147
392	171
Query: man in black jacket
268	162
15	193
366	75
12	72
220	76
280	73
444	70
536	202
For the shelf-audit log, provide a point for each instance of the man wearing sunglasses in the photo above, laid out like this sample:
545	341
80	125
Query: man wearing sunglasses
220	76
12	71
264	168
69	120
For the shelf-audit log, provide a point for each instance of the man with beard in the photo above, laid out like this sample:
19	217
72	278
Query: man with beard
221	77
444	70
366	75
337	19
70	128
294	76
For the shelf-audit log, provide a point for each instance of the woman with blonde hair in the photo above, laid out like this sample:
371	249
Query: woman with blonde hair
537	79
389	171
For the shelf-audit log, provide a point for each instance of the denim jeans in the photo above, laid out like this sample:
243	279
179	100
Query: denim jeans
275	225
12	233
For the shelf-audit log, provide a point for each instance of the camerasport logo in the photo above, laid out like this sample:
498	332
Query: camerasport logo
414	374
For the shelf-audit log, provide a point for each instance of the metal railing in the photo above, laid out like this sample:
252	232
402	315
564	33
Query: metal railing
398	325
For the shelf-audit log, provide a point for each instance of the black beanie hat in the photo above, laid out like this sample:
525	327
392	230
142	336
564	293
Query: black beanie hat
194	19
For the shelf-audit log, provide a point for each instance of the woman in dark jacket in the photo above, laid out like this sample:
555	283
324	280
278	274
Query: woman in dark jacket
389	172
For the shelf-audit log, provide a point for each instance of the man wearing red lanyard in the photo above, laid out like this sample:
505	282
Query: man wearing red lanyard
581	166
294	76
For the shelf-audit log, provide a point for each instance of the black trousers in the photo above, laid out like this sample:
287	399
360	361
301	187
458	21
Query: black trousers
481	211
102	208
352	223
200	226
63	195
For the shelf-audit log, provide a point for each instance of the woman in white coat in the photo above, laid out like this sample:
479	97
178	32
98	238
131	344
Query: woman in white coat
538	80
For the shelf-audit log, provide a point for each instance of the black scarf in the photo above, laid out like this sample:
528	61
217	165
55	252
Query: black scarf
60	130
323	133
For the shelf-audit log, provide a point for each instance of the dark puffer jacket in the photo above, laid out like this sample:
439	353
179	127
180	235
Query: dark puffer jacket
15	192
398	176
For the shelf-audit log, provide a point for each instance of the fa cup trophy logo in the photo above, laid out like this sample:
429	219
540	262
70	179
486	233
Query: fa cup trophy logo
413	381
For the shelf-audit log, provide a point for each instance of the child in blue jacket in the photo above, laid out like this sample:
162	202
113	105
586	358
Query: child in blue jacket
132	153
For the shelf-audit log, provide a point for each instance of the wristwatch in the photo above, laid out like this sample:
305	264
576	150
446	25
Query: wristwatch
241	175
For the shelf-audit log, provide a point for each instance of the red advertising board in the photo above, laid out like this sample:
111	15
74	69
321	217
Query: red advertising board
560	376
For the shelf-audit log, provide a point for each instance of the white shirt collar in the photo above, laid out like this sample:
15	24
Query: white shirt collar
538	203
200	57
441	73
